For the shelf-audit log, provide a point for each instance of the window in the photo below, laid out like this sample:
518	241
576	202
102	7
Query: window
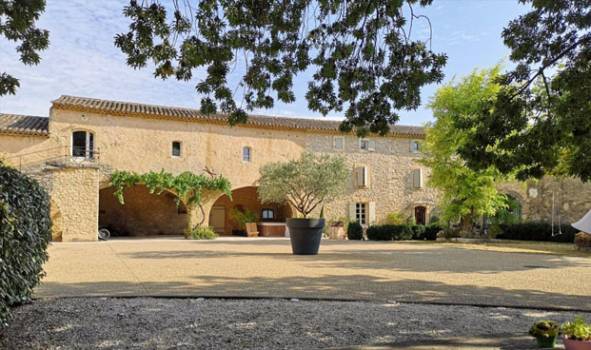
83	144
417	178
176	149
362	177
415	146
367	145
246	154
268	214
361	213
338	142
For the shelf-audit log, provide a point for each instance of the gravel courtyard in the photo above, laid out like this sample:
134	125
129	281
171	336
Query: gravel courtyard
408	271
147	323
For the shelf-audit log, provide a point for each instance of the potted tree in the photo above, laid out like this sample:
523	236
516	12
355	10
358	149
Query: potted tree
545	332
577	334
305	183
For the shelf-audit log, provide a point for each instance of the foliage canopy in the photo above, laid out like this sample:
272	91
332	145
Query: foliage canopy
363	54
25	229
187	187
305	183
17	23
539	123
466	193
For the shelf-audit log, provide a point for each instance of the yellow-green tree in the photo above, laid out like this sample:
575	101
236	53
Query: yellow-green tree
466	194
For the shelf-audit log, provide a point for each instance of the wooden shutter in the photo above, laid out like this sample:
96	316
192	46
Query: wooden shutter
371	145
362	177
352	212
371	213
417	178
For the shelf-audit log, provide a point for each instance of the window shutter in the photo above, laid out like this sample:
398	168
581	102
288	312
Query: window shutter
371	145
371	213
417	178
362	177
352	210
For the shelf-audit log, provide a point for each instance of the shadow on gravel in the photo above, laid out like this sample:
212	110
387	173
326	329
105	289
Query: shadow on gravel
445	259
352	287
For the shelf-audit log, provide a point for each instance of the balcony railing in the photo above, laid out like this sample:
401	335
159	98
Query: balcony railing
56	155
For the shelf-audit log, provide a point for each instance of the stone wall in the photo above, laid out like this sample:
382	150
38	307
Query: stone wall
74	193
144	214
564	199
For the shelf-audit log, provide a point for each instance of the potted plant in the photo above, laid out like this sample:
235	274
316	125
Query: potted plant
545	332
576	334
305	183
243	218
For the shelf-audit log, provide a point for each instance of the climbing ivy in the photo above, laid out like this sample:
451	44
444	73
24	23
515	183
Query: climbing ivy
187	186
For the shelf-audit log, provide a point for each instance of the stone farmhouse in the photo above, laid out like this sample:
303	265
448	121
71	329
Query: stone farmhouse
74	151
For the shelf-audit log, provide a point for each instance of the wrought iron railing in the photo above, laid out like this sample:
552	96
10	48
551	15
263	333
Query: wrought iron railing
61	154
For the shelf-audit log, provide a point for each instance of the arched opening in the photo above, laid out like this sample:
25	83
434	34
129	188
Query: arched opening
226	214
143	214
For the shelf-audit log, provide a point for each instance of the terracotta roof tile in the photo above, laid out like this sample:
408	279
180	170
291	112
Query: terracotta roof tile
146	110
24	124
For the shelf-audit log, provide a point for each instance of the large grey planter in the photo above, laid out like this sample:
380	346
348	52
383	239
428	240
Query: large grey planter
305	235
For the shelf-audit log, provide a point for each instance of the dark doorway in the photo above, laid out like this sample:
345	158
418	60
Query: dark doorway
420	215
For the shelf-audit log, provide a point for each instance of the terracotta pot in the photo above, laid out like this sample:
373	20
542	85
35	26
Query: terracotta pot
571	344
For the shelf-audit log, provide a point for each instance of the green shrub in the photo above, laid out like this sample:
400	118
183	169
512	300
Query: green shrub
402	232
577	329
203	232
537	231
429	233
25	230
355	231
389	232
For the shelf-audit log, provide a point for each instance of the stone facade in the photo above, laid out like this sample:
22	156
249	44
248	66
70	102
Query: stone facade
562	200
126	140
134	137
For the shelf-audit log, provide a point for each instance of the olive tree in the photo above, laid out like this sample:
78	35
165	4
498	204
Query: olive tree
305	183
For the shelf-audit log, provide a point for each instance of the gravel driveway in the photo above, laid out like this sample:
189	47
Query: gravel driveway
375	271
147	323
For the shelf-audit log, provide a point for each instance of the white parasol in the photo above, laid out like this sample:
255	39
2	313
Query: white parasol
584	224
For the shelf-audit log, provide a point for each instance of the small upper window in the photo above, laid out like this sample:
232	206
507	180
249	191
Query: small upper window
83	144
338	143
268	214
415	146
246	154
367	145
176	149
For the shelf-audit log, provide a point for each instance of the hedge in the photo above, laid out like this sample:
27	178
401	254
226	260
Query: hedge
402	232
25	227
355	231
537	231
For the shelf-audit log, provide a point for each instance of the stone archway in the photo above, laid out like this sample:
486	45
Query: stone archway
143	214
244	199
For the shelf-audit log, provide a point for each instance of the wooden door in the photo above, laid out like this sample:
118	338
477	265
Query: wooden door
420	215
217	219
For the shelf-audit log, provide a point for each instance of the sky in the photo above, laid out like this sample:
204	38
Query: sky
83	61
